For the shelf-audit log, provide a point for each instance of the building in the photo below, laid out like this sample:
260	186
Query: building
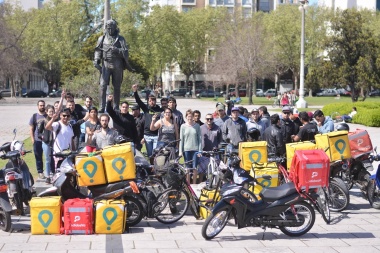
346	4
26	5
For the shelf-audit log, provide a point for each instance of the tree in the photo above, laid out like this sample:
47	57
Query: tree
352	52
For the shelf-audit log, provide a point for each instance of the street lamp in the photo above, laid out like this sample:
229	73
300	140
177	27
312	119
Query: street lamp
301	103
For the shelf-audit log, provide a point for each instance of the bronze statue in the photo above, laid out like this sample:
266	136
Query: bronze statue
112	51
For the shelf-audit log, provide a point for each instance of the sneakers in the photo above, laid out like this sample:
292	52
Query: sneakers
48	180
41	176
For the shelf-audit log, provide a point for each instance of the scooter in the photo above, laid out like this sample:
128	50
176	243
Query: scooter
17	175
64	185
373	187
281	207
5	205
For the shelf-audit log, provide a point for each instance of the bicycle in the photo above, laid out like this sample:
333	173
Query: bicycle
319	198
276	103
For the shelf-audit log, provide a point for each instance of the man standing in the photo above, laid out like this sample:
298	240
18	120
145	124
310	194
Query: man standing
36	141
222	116
197	117
112	51
211	134
164	103
150	137
177	115
123	122
273	137
287	126
87	103
105	136
307	131
234	128
264	115
324	124
256	122
139	121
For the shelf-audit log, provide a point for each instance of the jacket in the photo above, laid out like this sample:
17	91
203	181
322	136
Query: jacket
275	141
327	126
235	131
288	129
148	114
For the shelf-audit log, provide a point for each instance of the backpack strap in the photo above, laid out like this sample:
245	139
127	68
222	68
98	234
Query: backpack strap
34	122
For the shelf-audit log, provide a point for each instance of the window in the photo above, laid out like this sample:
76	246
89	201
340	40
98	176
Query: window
192	2
229	2
264	5
186	9
247	13
211	2
246	2
219	2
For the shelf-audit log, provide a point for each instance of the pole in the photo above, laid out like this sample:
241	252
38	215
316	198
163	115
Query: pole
301	103
107	12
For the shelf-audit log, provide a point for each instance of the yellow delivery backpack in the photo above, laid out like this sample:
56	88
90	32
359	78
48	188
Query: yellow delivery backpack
119	162
45	215
335	144
209	197
90	169
252	152
292	147
110	216
259	169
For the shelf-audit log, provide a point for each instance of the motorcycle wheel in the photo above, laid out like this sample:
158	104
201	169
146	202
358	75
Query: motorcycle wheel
346	177
173	205
323	205
215	223
5	220
307	211
373	194
339	197
18	199
135	211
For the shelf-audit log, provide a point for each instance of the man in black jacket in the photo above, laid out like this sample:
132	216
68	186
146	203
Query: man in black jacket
123	122
150	137
139	121
288	127
274	138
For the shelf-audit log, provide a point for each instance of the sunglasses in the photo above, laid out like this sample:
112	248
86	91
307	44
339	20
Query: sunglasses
209	118
286	112
65	116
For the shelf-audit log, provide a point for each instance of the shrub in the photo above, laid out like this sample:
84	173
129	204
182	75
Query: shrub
368	112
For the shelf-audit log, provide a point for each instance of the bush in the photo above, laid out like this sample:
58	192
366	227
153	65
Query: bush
368	112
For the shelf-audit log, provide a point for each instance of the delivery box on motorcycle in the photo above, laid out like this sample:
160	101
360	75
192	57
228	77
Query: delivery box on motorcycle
90	169
78	216
292	147
252	152
208	197
260	169
310	169
45	215
360	143
335	144
119	162
110	217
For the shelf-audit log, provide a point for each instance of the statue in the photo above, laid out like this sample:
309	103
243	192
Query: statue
112	52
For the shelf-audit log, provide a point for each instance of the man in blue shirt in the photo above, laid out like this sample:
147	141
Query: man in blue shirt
324	124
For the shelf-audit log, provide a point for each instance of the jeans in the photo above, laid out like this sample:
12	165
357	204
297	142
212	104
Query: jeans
189	156
150	143
49	160
37	149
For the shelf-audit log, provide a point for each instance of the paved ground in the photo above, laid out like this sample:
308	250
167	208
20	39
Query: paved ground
356	229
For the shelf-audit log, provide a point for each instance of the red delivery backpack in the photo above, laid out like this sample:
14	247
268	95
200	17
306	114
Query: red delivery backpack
78	216
360	143
310	169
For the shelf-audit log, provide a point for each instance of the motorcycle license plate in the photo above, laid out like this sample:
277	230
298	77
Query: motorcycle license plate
367	165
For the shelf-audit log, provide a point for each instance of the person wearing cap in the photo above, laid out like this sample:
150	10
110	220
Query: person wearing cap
274	137
324	124
297	122
256	122
150	137
234	128
139	121
307	131
287	126
221	115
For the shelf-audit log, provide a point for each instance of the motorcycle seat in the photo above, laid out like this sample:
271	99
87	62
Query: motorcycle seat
7	170
275	193
98	190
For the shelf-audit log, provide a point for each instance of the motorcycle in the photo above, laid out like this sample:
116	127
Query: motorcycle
65	185
17	176
373	187
5	206
281	207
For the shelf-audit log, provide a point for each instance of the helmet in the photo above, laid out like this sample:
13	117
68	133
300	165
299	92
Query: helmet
17	145
342	127
235	161
120	139
253	134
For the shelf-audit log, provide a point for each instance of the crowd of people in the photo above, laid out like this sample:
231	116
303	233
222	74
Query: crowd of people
67	125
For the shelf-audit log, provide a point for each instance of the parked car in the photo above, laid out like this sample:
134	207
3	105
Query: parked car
242	92
270	93
35	94
343	92
259	93
7	93
178	93
209	94
56	93
327	93
374	93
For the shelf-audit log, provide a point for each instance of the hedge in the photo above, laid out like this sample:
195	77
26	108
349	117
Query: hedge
368	112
